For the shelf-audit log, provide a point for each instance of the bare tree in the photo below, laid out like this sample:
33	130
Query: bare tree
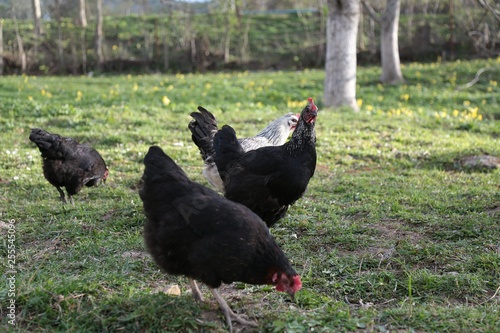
37	17
389	47
99	37
19	39
83	24
60	46
1	47
82	14
340	66
495	11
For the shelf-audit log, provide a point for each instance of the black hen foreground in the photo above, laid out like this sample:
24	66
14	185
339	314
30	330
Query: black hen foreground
204	126
268	180
66	163
193	231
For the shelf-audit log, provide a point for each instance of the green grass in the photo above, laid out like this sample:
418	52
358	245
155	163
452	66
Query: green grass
394	234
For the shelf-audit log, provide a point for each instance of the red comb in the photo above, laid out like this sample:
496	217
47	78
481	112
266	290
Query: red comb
311	103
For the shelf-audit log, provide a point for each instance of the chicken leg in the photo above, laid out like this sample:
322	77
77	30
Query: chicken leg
196	291
61	194
229	314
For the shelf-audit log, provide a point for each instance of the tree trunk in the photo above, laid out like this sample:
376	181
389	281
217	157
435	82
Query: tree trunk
19	39
74	54
83	48
99	37
1	47
245	56
340	67
83	16
452	31
227	40
166	57
37	17
391	66
322	31
60	47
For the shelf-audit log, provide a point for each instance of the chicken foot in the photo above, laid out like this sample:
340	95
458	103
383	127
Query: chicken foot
63	196
229	314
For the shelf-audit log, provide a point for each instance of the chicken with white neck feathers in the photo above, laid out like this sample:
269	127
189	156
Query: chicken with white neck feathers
269	179
204	126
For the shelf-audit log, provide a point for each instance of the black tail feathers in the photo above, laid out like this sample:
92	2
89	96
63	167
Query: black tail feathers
203	129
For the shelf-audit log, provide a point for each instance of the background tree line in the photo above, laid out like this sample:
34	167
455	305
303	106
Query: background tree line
80	36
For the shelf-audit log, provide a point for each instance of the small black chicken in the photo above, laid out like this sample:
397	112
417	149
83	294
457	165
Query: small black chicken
269	179
193	231
204	126
66	163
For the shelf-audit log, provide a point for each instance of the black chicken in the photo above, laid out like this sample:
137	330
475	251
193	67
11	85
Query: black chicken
269	179
66	163
204	126
193	231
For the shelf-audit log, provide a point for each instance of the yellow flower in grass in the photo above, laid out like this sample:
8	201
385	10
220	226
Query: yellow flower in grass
466	103
165	100
455	113
79	96
493	83
295	104
405	97
359	102
30	98
136	87
250	85
474	112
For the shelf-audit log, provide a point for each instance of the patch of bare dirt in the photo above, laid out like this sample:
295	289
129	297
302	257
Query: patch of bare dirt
135	255
390	232
493	211
480	162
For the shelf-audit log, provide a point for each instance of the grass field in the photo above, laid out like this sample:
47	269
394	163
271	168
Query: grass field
395	233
